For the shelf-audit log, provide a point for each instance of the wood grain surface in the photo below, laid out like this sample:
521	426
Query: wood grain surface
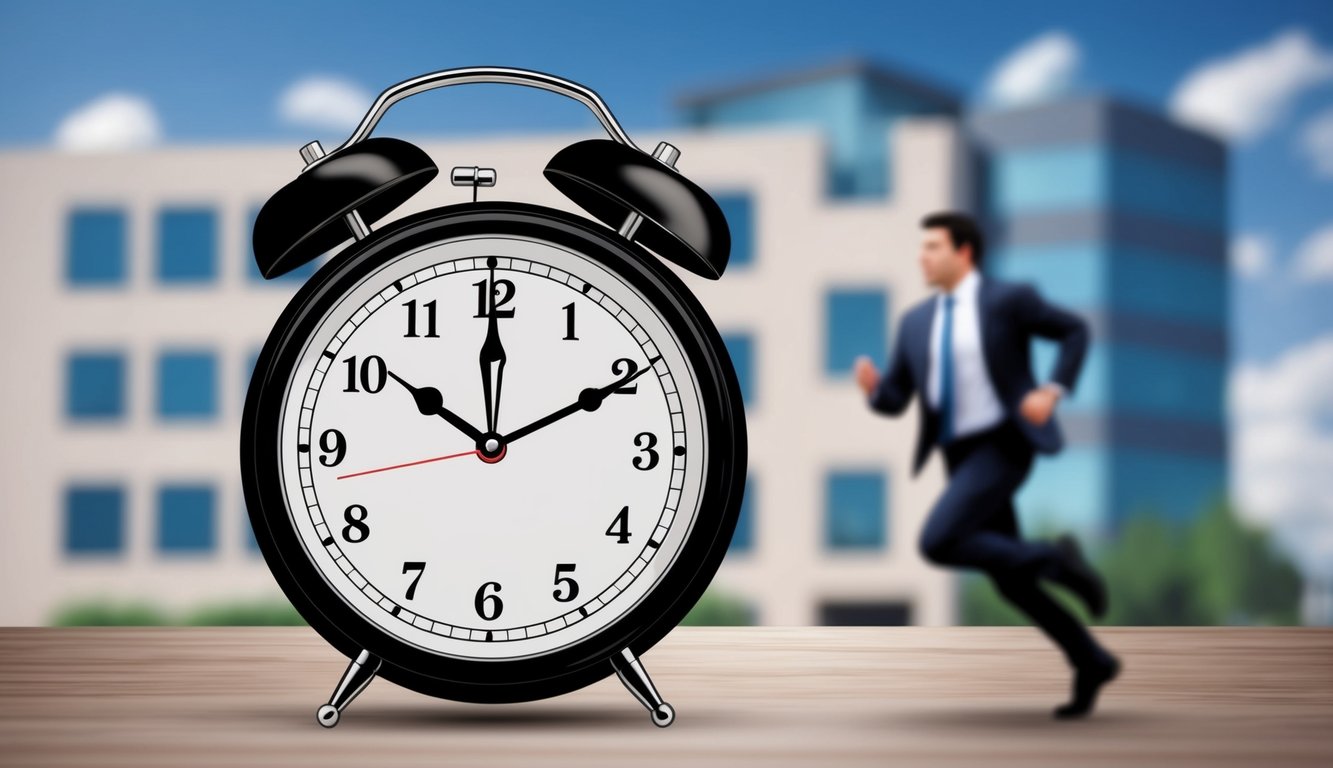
810	696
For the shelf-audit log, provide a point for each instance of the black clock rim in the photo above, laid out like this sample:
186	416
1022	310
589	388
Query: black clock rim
566	669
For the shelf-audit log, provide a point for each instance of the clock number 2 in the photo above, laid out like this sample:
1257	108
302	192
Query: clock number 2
489	606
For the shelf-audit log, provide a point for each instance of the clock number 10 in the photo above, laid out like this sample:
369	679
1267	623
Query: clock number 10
372	374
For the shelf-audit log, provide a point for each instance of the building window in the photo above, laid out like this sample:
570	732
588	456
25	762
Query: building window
855	323
865	614
95	385
187	245
252	267
738	209
743	539
856	510
186	383
185	518
94	520
95	247
740	348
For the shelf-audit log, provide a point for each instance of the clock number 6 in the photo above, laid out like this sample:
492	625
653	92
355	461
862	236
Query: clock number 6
420	568
645	442
492	601
573	585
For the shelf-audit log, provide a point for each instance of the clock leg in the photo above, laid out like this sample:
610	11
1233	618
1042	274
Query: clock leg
635	677
358	675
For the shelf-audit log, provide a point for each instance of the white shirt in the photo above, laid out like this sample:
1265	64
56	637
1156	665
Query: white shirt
975	406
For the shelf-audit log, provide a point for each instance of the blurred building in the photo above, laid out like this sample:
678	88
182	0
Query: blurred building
134	313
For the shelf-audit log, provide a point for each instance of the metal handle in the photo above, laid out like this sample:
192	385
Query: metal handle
503	75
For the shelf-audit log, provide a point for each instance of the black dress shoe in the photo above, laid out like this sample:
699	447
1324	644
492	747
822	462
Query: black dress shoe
1088	682
1072	570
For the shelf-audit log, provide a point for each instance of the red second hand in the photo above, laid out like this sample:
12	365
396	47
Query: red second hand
409	464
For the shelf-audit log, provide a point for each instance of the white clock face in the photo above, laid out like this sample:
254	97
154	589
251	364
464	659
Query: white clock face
495	526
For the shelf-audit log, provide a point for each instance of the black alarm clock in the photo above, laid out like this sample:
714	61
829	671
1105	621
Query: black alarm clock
493	451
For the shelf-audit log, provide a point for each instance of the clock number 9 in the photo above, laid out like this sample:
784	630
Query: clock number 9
491	602
356	530
373	374
573	585
332	442
645	442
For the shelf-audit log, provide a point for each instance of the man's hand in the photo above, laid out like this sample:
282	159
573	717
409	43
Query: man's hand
1039	404
867	378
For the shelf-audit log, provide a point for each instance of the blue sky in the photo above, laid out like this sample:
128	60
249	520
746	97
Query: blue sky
216	73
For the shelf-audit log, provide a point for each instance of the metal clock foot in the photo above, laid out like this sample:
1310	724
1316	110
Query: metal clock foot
358	675
635	677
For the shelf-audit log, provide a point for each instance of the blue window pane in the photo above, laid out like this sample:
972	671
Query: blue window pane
855	323
739	212
297	275
743	539
94	520
95	248
95	385
186	383
856	511
187	247
740	347
185	518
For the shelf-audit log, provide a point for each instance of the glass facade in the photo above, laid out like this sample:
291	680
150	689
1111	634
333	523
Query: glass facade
95	247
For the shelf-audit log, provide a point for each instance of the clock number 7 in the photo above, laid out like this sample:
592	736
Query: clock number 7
420	568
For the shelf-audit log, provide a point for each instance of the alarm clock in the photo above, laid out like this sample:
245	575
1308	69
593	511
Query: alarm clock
493	451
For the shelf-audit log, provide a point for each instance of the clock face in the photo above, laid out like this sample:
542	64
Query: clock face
492	447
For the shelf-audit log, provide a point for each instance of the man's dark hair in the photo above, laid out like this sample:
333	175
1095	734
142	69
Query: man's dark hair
963	230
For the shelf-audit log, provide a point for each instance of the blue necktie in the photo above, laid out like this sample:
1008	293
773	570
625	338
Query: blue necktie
946	372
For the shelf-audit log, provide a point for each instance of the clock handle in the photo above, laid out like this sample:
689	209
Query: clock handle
631	672
358	675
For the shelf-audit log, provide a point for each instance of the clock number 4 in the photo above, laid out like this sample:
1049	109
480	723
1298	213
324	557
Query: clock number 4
373	374
619	527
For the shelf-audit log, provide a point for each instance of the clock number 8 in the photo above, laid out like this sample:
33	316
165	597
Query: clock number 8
356	530
489	604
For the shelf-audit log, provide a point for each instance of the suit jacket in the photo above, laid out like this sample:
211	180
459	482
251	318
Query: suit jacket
1011	314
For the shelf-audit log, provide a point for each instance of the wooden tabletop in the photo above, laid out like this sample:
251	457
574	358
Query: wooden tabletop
768	696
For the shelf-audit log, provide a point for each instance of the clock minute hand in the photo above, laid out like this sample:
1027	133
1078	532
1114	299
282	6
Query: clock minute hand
492	358
589	400
431	403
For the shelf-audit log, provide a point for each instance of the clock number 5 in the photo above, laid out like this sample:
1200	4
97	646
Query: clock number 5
489	606
420	568
573	585
645	441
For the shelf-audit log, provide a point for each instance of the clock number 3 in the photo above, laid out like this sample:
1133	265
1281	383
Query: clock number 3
645	441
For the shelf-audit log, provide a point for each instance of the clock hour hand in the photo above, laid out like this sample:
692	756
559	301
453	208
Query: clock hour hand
492	357
431	403
589	400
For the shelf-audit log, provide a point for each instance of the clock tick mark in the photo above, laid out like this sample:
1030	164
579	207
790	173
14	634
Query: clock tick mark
583	612
399	285
397	609
328	354
327	541
303	448
679	450
488	635
586	287
654	544
491	261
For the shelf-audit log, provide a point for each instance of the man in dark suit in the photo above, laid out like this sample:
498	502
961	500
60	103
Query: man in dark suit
965	350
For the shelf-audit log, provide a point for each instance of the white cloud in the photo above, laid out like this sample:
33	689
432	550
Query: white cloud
1282	449
1314	258
323	102
111	122
1251	255
1241	96
1317	141
1040	68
